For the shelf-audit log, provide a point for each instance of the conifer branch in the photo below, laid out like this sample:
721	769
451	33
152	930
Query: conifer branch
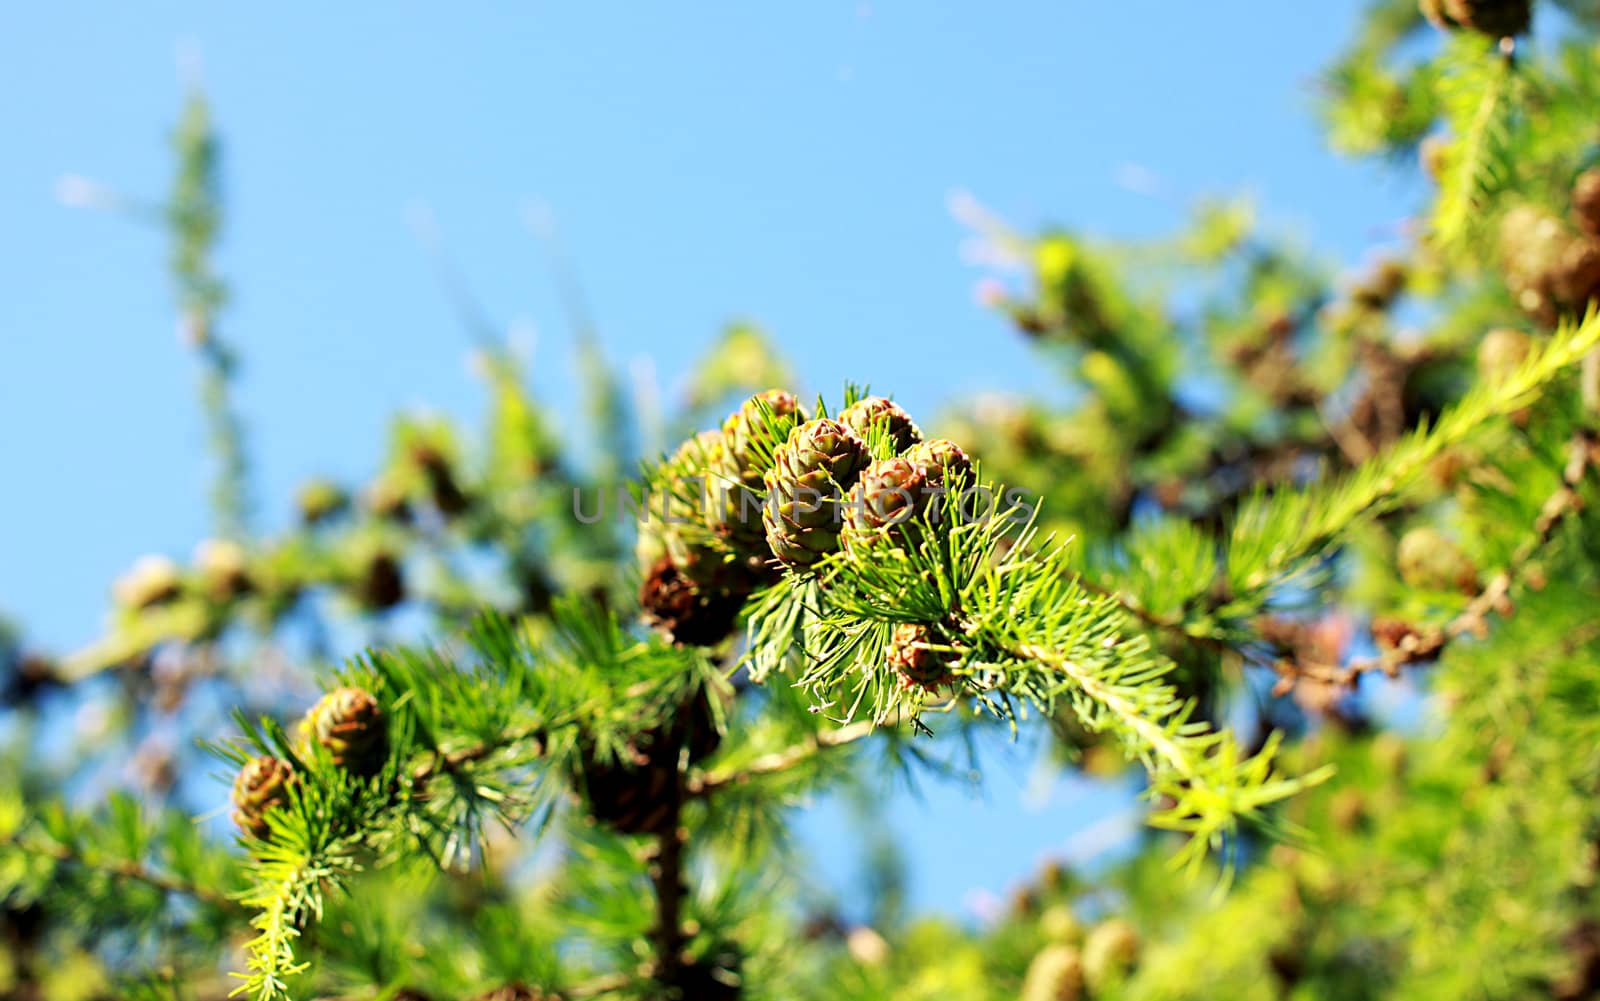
1414	644
779	761
125	869
1476	88
1275	535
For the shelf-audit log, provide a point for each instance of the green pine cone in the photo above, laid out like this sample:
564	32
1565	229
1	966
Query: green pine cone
675	515
1495	18
810	473
1501	353
151	581
1110	953
349	723
261	785
222	570
887	503
693	472
1055	974
772	412
876	412
748	436
320	501
1427	559
946	462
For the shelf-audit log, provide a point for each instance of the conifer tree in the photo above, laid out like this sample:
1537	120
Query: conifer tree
575	778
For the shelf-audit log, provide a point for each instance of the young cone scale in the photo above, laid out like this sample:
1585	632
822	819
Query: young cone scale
811	471
261	785
348	723
875	411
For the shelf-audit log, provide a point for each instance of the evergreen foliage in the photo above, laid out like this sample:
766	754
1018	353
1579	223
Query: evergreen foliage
566	762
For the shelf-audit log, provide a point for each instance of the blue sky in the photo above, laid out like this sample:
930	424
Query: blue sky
704	163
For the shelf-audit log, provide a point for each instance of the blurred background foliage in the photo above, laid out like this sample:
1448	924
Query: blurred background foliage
1453	854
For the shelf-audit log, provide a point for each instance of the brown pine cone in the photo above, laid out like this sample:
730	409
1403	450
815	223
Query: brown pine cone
446	493
687	614
382	583
1579	273
261	785
386	498
716	976
349	724
910	655
1586	201
1495	18
639	790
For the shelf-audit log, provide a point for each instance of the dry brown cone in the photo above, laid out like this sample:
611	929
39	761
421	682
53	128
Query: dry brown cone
1578	275
1586	201
716	976
639	790
687	614
1495	18
382	583
446	493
